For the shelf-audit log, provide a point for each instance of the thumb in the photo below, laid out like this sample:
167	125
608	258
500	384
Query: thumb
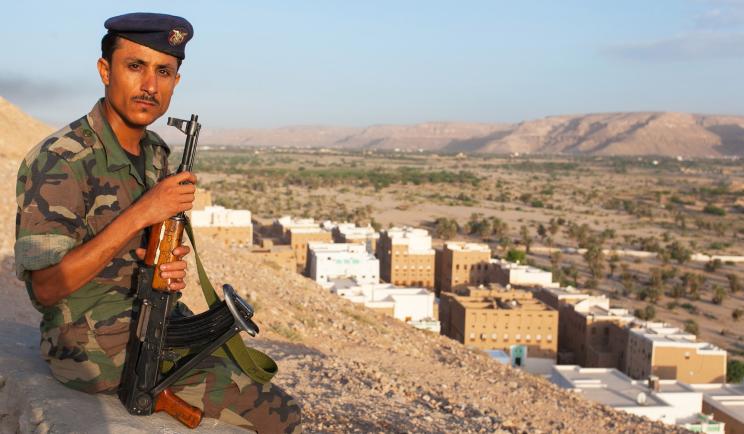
140	252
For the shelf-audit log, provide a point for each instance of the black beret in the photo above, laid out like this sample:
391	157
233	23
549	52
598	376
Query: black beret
165	33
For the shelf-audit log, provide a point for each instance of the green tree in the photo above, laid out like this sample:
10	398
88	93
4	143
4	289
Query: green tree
691	326
736	314
734	284
718	294
553	226
541	231
713	265
594	258
613	262
514	255
678	252
445	228
526	238
647	314
734	371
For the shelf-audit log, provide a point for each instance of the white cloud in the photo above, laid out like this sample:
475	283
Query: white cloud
700	45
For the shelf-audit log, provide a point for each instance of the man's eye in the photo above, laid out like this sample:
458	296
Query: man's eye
164	72
134	66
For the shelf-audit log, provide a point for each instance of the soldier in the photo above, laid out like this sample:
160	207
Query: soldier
85	195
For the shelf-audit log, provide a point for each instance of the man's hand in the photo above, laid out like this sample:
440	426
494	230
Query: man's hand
166	199
174	271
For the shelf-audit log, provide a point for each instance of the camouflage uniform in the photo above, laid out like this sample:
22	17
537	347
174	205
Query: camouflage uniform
69	188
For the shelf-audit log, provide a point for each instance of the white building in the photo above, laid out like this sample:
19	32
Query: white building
329	261
218	216
725	402
510	273
405	304
298	224
668	401
417	240
351	233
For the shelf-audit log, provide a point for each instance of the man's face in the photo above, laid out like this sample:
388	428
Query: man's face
139	82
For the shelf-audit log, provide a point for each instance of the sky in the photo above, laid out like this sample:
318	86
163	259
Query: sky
258	64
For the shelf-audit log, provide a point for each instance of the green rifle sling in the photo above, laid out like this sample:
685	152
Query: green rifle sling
255	364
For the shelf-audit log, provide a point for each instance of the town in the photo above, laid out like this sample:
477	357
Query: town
514	312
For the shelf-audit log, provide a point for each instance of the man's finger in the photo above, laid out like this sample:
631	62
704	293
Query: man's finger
181	251
172	266
176	285
175	274
140	253
185	176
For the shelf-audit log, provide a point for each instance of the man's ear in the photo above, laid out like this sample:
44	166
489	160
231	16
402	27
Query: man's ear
104	70
178	78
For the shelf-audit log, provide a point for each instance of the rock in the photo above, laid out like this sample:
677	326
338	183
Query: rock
33	402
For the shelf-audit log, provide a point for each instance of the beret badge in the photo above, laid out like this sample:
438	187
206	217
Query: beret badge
176	37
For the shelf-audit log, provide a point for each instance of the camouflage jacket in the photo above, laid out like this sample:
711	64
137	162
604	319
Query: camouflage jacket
69	187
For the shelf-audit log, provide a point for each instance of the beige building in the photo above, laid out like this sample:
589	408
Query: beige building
406	257
282	255
461	264
298	233
300	238
497	319
667	352
590	332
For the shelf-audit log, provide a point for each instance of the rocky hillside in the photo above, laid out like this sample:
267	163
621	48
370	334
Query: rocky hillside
669	134
18	131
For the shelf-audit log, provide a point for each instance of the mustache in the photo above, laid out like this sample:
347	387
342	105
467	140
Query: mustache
147	98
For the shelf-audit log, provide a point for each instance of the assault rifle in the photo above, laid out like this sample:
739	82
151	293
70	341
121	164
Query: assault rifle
156	337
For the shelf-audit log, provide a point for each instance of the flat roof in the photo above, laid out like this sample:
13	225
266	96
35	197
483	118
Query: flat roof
306	230
506	265
608	386
461	246
323	247
665	335
728	398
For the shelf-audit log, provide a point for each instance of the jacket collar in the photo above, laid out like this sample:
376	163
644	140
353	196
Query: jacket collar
116	158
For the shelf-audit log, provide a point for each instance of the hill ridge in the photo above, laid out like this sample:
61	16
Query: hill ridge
617	133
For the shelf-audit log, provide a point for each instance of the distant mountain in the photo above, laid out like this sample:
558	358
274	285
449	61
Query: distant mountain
634	133
18	131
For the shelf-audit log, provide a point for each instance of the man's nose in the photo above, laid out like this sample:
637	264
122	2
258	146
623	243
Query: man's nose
149	82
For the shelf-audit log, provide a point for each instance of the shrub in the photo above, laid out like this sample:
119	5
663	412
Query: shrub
714	210
736	314
514	255
647	314
691	326
718	295
735	371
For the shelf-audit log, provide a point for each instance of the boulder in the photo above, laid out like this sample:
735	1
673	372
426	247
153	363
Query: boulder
32	401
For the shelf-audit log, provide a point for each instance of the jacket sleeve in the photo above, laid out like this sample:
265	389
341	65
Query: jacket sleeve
51	213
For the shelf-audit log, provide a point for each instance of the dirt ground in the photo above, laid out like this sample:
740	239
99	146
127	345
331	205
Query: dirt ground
635	202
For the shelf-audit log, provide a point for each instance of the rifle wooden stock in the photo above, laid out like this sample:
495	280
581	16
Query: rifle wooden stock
164	237
181	410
